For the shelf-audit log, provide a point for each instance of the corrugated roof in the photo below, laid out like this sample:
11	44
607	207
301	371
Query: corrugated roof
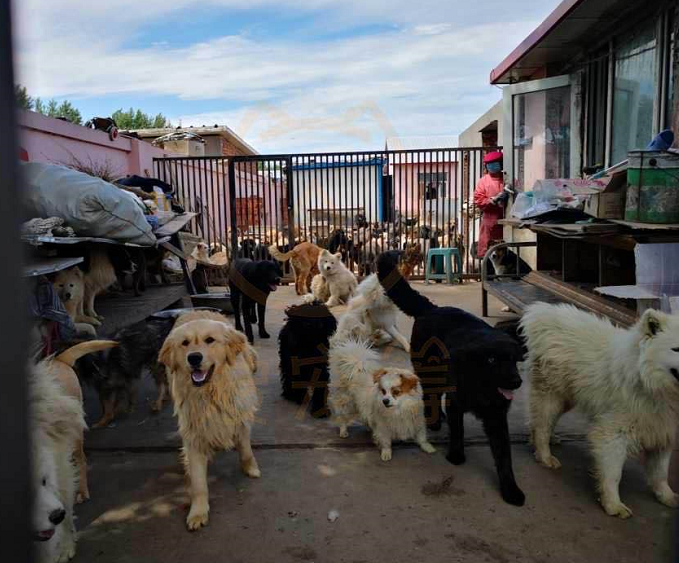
205	131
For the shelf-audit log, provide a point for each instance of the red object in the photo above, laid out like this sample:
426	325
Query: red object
562	11
492	157
23	154
487	188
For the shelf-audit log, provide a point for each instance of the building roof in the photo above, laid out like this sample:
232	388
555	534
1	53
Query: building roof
215	130
572	27
423	142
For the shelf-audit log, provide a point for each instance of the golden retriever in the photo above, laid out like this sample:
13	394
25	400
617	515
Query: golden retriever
304	261
210	366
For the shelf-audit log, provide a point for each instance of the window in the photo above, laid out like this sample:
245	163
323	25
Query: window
432	185
635	87
596	114
542	135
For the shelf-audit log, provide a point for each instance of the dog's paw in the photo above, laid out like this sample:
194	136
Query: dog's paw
668	498
617	509
156	406
513	495
548	461
251	469
196	520
344	433
82	496
385	455
428	448
66	551
456	458
264	334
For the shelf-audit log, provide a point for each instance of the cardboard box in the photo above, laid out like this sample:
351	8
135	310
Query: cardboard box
609	201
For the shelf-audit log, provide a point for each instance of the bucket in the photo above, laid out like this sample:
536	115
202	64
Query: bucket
653	187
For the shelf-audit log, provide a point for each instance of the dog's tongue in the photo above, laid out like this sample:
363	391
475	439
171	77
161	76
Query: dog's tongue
506	393
199	376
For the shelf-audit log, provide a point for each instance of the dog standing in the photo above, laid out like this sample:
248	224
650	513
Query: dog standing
251	283
304	261
625	381
210	367
474	364
303	351
387	400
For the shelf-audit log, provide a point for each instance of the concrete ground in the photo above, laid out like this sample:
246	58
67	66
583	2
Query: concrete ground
413	508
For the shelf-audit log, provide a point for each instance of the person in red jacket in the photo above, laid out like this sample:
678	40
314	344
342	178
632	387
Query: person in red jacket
490	198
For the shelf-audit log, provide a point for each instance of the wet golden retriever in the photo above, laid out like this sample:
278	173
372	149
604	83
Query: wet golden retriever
210	366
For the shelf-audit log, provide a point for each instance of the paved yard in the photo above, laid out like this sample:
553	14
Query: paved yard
415	508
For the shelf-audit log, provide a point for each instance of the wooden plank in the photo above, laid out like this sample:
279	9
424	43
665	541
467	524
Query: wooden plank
518	294
38	240
173	226
48	265
120	311
647	226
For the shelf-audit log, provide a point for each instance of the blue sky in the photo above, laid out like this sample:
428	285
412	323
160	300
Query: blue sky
287	75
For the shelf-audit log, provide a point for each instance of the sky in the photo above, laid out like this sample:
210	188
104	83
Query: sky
286	75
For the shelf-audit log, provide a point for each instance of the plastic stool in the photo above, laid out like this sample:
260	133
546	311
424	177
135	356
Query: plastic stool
450	275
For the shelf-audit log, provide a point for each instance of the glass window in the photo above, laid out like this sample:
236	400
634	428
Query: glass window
633	96
542	136
432	185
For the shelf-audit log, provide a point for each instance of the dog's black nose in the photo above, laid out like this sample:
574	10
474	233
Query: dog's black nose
195	359
56	516
67	296
386	402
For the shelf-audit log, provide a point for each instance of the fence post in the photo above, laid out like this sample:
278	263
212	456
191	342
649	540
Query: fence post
232	209
291	204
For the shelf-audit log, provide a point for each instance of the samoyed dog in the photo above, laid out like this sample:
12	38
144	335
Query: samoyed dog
625	381
335	284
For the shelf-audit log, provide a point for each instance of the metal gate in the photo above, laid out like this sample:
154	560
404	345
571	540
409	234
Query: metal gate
356	203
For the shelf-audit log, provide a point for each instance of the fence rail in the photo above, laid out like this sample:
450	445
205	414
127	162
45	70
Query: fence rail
359	203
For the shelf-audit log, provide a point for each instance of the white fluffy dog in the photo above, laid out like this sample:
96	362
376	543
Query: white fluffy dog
335	284
626	381
371	315
56	423
388	400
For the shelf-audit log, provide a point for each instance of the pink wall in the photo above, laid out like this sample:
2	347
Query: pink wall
58	142
406	187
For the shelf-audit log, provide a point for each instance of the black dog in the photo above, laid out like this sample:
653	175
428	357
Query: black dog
114	373
303	352
456	353
251	282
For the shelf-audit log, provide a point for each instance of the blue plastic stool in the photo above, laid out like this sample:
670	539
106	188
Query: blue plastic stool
450	275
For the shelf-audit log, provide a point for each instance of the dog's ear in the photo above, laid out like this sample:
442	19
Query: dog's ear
166	356
338	255
378	374
408	382
235	344
652	322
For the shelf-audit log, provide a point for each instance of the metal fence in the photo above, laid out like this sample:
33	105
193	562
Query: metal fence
356	203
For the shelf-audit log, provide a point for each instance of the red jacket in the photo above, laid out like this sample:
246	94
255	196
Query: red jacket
487	188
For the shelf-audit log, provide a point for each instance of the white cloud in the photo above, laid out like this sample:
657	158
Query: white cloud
415	78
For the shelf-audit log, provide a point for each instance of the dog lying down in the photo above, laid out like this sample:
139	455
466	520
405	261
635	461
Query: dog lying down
625	381
388	400
210	366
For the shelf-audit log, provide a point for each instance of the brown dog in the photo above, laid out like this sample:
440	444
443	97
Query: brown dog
412	258
304	261
62	367
210	366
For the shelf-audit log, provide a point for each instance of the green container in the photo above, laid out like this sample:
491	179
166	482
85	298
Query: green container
652	187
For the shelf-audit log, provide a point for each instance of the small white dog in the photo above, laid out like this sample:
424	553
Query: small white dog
335	284
626	381
371	315
56	424
387	400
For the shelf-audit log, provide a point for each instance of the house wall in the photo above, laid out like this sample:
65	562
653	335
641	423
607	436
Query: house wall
408	200
471	136
59	142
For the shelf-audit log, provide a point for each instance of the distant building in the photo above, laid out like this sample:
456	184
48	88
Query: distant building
218	140
486	131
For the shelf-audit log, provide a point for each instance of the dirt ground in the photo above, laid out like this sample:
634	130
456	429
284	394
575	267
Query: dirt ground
417	507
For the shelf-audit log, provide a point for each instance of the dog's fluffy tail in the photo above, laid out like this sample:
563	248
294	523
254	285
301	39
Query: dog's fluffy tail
278	255
351	357
399	291
70	356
